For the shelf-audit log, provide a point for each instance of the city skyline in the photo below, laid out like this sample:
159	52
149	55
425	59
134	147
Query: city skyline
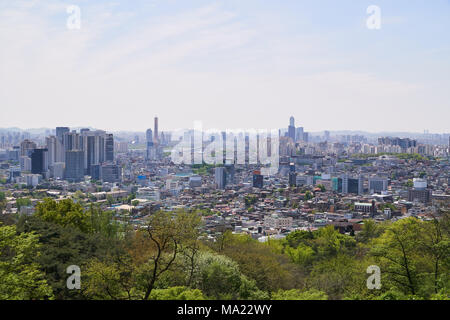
255	64
43	130
255	155
198	125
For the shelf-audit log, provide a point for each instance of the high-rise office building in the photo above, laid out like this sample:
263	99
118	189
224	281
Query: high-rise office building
299	134
56	152
51	143
26	147
72	141
14	154
109	147
57	170
122	147
60	131
305	136
220	177
94	148
149	135
377	184
151	153
96	172
110	172
352	185
39	161
156	137
230	170
25	163
336	184
74	165
291	129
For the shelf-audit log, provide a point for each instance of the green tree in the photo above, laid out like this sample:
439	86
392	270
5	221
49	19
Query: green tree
110	199
2	202
250	200
65	213
20	277
177	293
61	247
131	197
339	276
308	195
166	231
150	257
434	242
103	222
217	276
396	251
260	262
296	294
370	230
135	203
23	202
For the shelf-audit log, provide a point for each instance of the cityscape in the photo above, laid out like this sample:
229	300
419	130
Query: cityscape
320	182
213	159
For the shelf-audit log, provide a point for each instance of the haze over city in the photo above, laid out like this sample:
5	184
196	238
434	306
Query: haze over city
230	64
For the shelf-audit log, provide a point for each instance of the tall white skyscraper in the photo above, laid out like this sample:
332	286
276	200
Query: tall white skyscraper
220	177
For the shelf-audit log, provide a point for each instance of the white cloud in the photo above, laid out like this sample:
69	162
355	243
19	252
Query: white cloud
205	63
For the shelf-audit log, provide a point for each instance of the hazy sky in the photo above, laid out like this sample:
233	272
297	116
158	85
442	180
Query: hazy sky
230	64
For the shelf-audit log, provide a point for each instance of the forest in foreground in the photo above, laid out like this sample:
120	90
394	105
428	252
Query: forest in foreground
168	258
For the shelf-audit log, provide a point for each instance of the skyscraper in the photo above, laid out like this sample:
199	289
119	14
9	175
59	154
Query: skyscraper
71	141
352	185
291	129
110	172
60	133
305	136
299	134
109	147
377	184
156	137
94	148
51	143
292	121
220	177
26	147
150	145
149	135
74	165
39	161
